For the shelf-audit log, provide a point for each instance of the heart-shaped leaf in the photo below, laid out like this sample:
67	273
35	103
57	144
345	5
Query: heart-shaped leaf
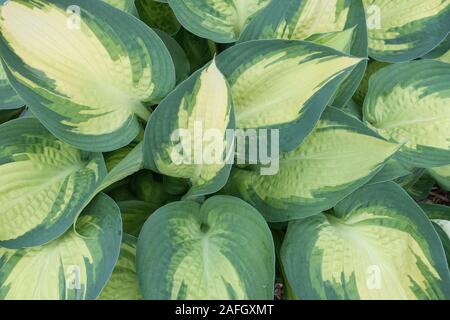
339	156
75	266
375	244
222	249
90	91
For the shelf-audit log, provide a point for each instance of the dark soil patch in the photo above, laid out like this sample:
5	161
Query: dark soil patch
438	196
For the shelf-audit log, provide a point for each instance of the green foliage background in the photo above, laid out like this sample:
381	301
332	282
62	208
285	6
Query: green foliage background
93	205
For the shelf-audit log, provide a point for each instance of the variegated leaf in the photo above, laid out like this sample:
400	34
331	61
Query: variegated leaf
90	91
75	266
281	84
44	183
222	249
375	244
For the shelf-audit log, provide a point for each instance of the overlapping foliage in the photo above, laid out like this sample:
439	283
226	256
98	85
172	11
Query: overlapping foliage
97	203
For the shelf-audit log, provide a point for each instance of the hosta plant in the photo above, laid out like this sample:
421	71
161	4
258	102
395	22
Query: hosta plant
212	149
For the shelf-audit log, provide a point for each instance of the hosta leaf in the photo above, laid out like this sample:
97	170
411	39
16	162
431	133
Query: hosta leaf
134	215
339	156
442	176
9	99
123	284
339	24
219	20
405	29
90	91
75	266
124	5
442	52
283	84
158	15
44	183
222	249
186	135
440	217
409	103
375	244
